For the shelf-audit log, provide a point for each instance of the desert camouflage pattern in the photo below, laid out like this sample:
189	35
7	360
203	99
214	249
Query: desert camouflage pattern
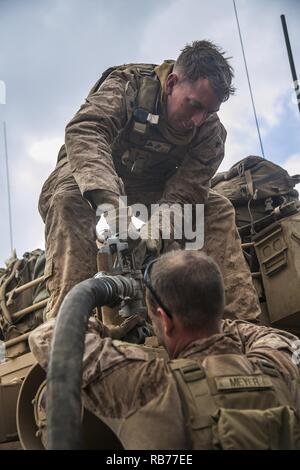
150	398
87	162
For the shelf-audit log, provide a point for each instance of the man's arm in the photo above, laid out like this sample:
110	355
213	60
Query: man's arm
41	337
91	132
274	345
191	182
118	378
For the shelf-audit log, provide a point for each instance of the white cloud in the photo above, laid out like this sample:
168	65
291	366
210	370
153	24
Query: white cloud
265	52
43	151
292	166
39	160
27	178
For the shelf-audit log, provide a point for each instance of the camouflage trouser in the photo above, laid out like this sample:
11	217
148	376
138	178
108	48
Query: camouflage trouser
71	249
70	232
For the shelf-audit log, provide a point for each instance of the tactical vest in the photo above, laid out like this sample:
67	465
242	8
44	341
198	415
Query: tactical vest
140	149
232	404
20	272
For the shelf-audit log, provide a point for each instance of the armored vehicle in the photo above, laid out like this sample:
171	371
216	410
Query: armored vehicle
268	218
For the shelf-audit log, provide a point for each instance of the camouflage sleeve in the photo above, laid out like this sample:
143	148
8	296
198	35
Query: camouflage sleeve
40	338
191	182
109	365
118	378
276	346
90	133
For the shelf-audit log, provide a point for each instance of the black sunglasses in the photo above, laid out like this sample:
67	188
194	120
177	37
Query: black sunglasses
148	284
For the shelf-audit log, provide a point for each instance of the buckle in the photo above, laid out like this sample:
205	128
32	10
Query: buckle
192	372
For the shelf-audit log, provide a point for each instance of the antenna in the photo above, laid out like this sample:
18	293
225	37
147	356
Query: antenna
291	60
8	187
248	78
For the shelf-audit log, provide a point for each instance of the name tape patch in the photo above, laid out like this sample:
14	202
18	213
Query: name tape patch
243	382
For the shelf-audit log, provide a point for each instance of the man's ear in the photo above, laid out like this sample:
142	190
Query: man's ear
167	322
172	80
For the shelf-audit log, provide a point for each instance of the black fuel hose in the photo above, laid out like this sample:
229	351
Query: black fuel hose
64	375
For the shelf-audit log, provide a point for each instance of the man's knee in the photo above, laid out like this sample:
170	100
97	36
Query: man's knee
70	208
71	236
219	217
65	201
217	203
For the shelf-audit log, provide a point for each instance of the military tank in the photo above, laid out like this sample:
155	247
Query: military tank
268	218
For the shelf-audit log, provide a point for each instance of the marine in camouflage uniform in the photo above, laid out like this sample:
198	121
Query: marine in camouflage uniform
229	384
106	149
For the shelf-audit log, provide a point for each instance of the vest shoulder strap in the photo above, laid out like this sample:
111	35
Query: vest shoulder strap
192	382
149	82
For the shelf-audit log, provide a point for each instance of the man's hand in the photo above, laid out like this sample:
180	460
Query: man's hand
118	332
145	242
117	216
120	224
98	197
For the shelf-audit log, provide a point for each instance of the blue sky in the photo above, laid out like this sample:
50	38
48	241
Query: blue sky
52	51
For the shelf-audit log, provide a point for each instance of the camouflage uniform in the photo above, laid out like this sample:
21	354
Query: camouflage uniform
150	401
102	152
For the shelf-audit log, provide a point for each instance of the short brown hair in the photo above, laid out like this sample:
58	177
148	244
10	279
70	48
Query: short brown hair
190	284
204	59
